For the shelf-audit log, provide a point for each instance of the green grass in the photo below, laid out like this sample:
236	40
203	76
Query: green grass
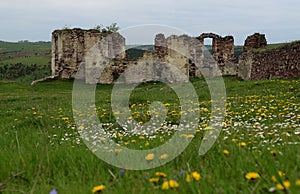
9	47
29	60
24	62
270	47
39	139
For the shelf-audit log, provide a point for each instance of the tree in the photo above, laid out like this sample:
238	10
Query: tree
98	27
111	28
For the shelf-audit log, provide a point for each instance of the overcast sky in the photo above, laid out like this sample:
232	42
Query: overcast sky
34	20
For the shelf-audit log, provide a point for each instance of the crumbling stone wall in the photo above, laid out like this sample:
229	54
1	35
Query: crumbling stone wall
71	52
160	45
187	54
255	41
168	63
70	47
281	62
223	52
151	67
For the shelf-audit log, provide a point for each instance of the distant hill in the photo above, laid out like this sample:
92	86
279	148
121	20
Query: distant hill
10	47
25	61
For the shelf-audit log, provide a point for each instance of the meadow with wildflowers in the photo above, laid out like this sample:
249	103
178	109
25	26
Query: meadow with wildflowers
256	152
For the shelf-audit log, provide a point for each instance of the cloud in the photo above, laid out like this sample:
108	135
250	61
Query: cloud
36	19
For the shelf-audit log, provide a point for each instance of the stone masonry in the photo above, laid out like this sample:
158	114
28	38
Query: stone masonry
255	41
70	46
281	62
222	51
71	52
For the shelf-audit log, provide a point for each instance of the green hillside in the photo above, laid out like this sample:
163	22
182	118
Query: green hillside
13	47
24	61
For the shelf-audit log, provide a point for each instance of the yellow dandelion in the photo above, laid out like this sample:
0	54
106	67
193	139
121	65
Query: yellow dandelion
297	182
242	144
149	157
120	135
154	180
167	104
226	152
80	127
164	156
147	144
160	174
118	150
284	185
273	152
65	118
188	178
280	174
98	188
196	175
34	113
133	141
190	136
165	185
102	138
252	175
173	184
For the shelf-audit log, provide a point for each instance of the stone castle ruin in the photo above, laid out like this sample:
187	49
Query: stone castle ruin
71	46
258	62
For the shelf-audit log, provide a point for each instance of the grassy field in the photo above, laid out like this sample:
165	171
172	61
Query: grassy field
24	61
13	47
256	152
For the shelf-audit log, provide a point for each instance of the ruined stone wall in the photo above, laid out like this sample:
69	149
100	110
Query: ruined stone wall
255	41
223	52
187	54
178	52
71	52
281	62
168	63
151	67
160	45
70	47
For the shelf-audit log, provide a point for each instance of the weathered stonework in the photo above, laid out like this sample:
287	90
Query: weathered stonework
175	58
71	51
281	62
71	46
160	45
153	68
255	41
223	52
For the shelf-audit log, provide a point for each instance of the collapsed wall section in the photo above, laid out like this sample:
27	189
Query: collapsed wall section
280	62
70	47
222	52
255	41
